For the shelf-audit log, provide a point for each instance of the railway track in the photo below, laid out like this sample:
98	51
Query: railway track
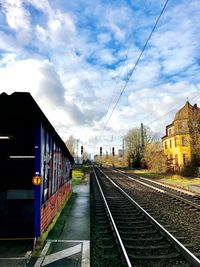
104	250
142	240
180	196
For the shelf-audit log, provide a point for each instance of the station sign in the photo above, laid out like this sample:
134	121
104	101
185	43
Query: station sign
37	180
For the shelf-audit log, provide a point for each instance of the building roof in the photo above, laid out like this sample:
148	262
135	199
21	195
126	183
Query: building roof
20	108
185	112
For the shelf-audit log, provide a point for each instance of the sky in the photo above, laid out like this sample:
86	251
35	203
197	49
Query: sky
74	57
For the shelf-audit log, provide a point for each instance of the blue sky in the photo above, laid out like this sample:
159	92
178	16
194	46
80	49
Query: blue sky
74	58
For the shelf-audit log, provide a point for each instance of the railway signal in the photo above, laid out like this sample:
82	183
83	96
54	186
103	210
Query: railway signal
100	151
81	150
113	151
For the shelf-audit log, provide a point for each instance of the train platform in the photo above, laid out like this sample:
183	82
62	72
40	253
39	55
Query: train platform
68	244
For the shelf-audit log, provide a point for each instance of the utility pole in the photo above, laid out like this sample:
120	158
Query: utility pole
77	150
113	155
82	154
123	149
142	139
100	156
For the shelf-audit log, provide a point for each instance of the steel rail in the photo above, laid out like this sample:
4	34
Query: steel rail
188	202
188	255
113	222
162	184
158	183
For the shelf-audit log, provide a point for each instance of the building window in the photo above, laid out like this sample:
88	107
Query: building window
184	159
165	144
182	124
184	141
170	143
170	132
175	142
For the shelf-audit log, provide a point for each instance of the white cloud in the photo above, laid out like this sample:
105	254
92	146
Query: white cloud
41	33
40	79
18	19
104	38
61	26
41	5
62	59
9	44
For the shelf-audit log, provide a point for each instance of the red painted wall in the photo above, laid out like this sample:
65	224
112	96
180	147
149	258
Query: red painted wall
50	208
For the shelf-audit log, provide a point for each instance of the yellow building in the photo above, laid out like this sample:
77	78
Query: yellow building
178	141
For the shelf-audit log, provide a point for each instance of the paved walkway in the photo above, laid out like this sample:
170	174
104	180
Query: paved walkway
68	243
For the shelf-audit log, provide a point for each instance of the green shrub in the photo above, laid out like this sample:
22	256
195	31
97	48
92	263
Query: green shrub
189	170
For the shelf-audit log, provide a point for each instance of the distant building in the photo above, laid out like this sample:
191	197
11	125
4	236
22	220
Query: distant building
181	142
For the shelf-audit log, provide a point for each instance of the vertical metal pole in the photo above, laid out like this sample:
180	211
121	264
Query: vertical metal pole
142	138
77	151
37	188
123	149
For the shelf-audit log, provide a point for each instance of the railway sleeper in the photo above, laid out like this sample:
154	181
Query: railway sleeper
139	235
102	219
149	247
97	210
106	238
129	215
104	226
187	245
130	239
105	231
152	232
129	220
151	252
134	227
100	214
147	242
132	223
172	255
110	255
120	208
108	246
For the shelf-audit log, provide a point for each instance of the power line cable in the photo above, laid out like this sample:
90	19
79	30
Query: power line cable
135	65
173	109
124	63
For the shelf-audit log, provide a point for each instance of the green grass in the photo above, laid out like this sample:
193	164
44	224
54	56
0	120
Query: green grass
174	179
181	181
77	176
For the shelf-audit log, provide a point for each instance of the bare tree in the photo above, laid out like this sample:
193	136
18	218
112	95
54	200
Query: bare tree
194	131
134	144
70	144
153	156
85	156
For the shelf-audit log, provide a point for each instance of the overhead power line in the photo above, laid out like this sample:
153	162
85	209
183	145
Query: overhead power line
173	109
136	63
124	63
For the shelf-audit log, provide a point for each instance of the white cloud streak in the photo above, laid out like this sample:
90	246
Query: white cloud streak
71	56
